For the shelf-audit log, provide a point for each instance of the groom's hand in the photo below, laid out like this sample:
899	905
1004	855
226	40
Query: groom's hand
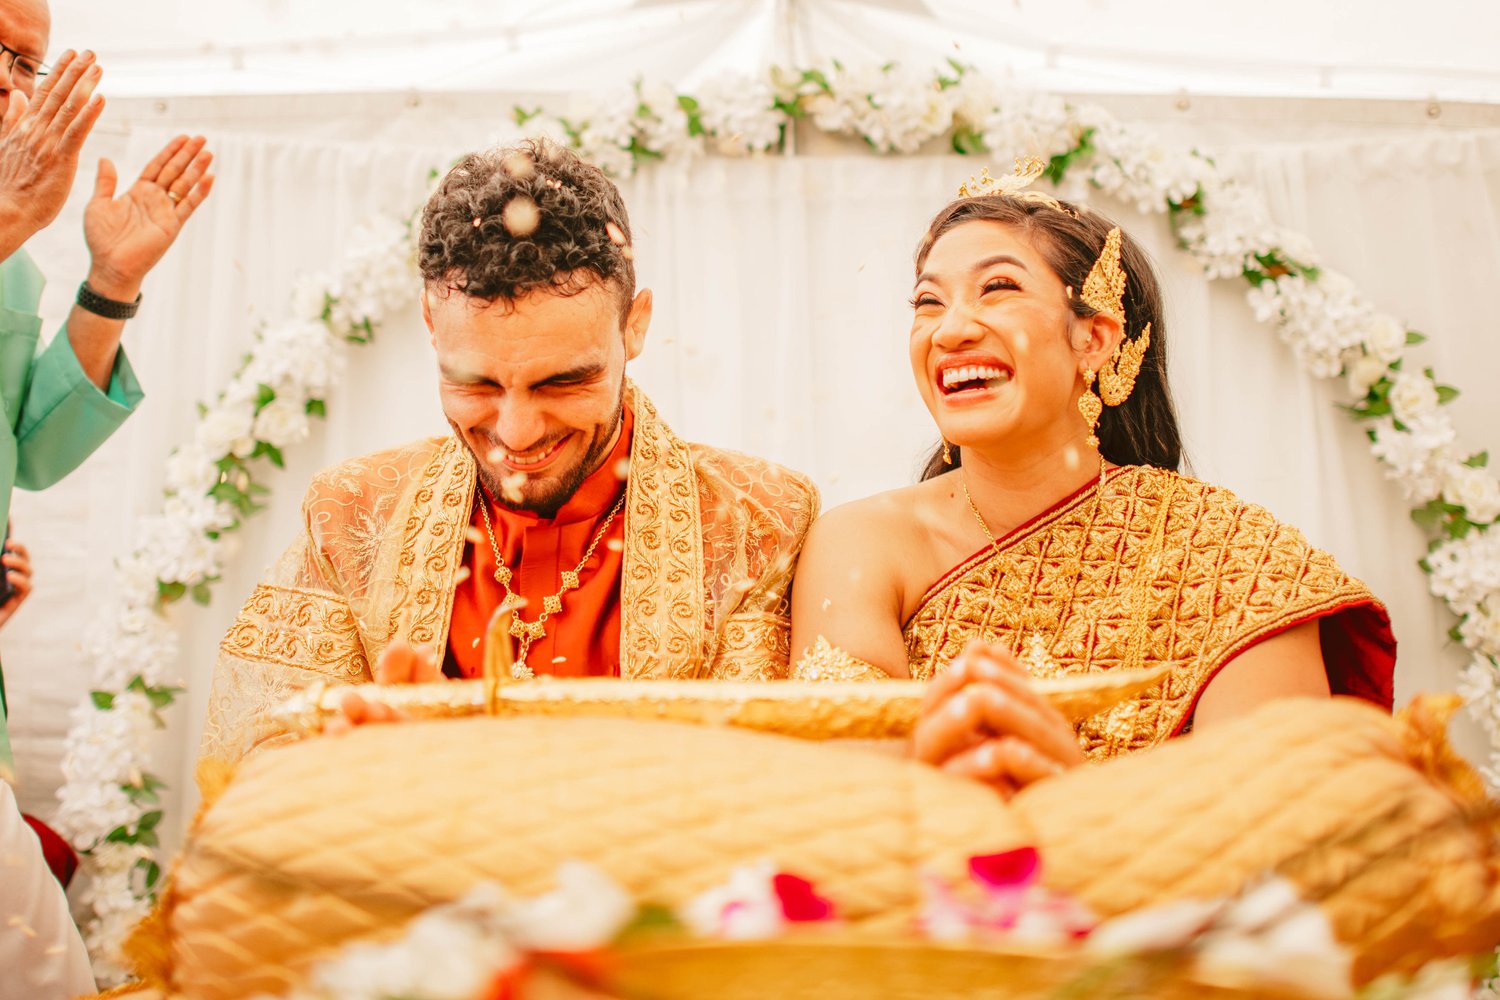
982	719
399	663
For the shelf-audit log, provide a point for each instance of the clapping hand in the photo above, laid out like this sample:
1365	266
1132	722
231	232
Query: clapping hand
17	569
39	143
127	235
982	719
399	663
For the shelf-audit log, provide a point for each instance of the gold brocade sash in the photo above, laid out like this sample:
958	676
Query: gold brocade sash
1158	568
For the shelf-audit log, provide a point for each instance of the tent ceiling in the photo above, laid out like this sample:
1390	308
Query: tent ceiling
1341	48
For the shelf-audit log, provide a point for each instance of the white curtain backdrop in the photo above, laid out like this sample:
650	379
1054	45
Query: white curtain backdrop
781	289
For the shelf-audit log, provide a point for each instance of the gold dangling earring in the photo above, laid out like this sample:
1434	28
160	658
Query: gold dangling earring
947	455
1090	405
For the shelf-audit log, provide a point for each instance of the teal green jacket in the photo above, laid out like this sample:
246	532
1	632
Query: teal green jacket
54	416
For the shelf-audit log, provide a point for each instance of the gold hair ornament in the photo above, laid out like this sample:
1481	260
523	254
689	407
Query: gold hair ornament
1104	292
1013	185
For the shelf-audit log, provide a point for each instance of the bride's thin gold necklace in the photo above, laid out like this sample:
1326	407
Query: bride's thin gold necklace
529	632
1036	657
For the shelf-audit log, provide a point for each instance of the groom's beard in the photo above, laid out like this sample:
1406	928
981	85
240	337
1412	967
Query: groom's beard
545	495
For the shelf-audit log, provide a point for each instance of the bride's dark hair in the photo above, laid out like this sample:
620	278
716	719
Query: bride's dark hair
1143	429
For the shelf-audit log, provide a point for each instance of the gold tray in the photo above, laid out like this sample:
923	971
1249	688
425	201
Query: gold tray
814	710
838	968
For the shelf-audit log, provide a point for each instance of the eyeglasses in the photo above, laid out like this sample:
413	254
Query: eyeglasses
23	67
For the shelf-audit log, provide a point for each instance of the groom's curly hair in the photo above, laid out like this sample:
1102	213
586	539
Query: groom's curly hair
507	221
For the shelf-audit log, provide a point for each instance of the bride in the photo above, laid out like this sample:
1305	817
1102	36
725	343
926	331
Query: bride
1051	532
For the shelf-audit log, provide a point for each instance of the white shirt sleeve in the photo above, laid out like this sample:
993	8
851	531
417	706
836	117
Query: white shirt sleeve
41	953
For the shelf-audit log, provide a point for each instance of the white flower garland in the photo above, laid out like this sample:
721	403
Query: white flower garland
108	802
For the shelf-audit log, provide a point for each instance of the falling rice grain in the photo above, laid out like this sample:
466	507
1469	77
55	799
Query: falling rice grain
521	217
518	165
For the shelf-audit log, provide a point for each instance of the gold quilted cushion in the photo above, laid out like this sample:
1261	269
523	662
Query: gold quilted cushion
318	843
1373	816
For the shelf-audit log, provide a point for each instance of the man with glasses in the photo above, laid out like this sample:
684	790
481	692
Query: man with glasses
62	402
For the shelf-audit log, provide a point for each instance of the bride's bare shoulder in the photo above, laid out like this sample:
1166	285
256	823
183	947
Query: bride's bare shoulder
873	526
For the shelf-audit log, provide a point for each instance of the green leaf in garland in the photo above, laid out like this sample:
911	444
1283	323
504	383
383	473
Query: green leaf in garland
1058	166
202	410
689	106
1478	461
263	396
1446	394
1413	338
150	873
317	408
271	452
521	116
168	591
103	700
1456	633
651	920
817	78
1429	515
967	142
202	594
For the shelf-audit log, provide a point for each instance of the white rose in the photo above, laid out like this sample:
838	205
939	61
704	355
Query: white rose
1365	372
1476	490
1480	631
191	470
1386	339
223	425
742	909
586	910
281	422
310	296
1413	397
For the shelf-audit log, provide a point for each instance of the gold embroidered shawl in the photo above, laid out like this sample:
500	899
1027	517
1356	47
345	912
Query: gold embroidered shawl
1160	568
711	539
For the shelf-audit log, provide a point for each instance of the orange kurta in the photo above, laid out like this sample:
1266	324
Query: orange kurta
583	639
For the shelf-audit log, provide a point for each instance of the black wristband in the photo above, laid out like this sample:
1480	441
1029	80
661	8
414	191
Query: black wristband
108	308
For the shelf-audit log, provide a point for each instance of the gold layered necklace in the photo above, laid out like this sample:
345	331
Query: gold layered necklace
525	632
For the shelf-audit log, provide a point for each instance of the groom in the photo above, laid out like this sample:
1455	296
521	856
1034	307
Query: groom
632	552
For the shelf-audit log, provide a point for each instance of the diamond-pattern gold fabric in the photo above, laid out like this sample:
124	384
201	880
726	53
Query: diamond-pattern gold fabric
347	837
711	539
1376	818
338	838
1156	568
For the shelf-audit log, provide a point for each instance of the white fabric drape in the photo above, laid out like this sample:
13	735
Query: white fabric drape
781	289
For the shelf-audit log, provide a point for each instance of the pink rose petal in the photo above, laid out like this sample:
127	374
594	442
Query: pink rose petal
799	903
1009	871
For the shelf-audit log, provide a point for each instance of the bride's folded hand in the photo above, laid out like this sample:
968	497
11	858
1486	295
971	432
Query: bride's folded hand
982	719
399	663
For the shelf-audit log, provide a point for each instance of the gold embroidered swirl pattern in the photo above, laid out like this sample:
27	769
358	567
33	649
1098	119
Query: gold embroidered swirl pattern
297	628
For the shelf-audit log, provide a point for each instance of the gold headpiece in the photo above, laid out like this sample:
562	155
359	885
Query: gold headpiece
1013	184
1104	290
